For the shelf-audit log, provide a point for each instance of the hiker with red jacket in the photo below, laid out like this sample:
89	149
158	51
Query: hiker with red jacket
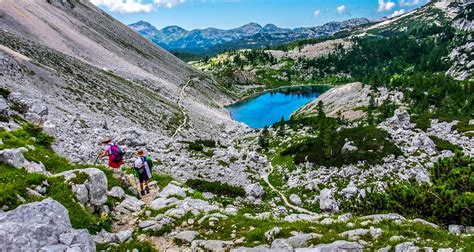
114	153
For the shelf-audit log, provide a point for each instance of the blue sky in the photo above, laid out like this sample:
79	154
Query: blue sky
225	14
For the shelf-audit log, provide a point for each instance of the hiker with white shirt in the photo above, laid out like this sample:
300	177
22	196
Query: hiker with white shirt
142	169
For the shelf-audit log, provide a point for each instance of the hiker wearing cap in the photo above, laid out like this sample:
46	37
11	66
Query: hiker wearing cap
142	170
114	152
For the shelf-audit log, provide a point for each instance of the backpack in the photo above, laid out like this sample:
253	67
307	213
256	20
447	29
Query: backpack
148	160
116	153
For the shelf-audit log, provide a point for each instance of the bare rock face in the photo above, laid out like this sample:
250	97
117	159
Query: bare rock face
346	99
41	226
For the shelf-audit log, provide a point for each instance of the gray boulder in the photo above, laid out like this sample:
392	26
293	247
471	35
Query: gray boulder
295	199
41	226
254	190
401	120
334	247
117	192
270	234
172	190
259	248
455	229
211	245
301	240
406	247
15	158
124	235
421	141
130	205
4	108
281	245
186	236
327	202
96	186
349	147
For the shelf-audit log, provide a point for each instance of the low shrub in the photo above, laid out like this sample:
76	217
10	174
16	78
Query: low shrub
195	147
447	200
442	144
218	188
372	144
206	143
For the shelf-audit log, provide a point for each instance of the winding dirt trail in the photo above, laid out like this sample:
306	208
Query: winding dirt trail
285	200
182	95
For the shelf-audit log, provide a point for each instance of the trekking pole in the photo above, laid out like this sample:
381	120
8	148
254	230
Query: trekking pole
96	159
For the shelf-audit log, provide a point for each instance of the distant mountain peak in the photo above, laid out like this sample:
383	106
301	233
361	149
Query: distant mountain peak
173	28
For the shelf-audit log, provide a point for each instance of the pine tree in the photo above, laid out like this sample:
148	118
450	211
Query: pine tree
281	128
321	113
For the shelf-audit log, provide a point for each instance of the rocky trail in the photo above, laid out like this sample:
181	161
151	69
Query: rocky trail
283	197
182	95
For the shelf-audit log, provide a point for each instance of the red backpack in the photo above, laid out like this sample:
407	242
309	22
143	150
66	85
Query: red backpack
116	153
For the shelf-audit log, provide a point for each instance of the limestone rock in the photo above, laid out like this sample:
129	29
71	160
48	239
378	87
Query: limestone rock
96	185
116	192
301	240
295	199
211	245
327	202
406	247
281	245
335	246
40	225
4	108
254	190
270	235
349	147
186	236
172	190
455	229
124	235
130	205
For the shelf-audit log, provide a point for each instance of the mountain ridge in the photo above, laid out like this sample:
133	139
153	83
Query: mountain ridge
251	35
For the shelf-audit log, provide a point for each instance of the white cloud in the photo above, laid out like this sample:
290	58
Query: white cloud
168	3
398	13
341	9
385	6
124	6
317	13
134	6
409	2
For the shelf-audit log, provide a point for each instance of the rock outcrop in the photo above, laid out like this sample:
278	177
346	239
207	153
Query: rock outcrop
92	193
42	226
346	101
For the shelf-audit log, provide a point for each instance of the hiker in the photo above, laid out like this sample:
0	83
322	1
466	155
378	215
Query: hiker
114	153
142	170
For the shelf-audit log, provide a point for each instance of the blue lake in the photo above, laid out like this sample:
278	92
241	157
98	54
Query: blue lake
269	107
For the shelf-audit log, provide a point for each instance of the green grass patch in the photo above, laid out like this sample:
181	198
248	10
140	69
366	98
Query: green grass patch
218	188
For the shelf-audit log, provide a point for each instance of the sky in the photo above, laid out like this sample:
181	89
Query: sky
227	14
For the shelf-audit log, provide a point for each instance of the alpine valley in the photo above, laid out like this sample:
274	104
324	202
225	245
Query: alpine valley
381	160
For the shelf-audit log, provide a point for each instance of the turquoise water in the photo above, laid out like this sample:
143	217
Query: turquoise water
268	108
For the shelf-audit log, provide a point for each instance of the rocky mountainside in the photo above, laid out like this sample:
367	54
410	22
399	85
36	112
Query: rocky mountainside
252	35
82	74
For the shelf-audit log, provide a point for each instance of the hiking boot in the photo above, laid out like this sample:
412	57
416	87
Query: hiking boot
147	189
142	193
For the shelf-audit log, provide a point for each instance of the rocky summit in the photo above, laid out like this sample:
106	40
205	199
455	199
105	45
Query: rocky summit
381	160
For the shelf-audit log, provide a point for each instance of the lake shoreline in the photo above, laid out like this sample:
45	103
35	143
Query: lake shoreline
248	97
